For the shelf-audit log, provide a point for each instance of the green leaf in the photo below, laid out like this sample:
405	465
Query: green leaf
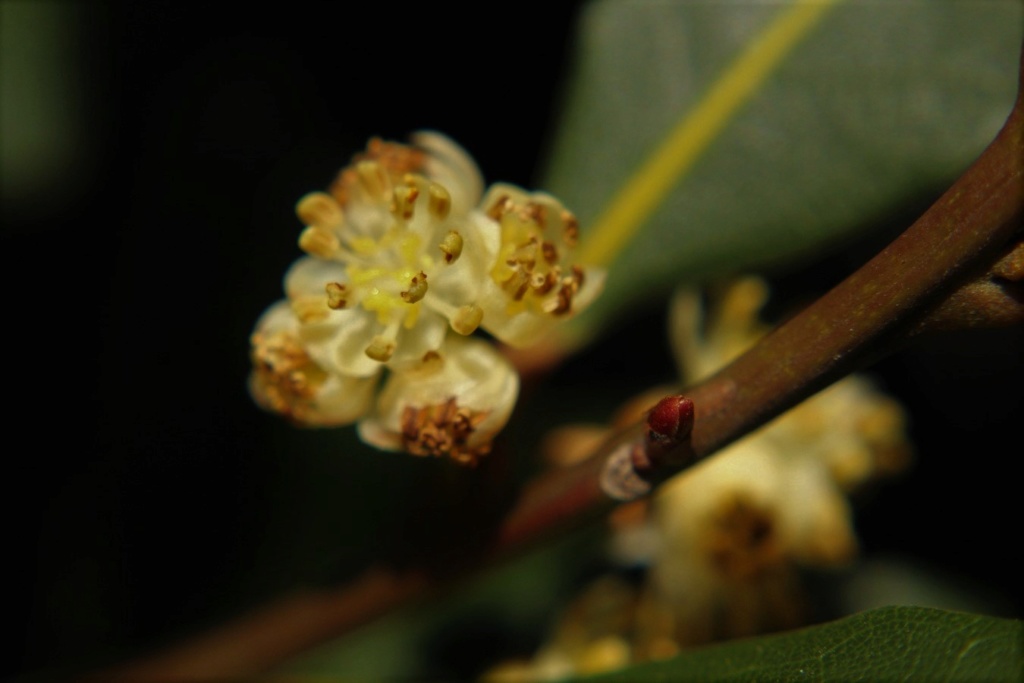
891	643
784	128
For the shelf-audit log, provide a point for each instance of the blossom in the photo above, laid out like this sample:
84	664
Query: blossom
389	267
533	282
724	542
398	254
406	256
451	403
286	380
735	529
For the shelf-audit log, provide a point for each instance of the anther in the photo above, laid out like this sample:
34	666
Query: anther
403	203
337	296
525	254
562	303
451	246
467	319
542	284
535	213
320	208
572	229
550	253
440	202
577	275
431	362
309	309
417	289
371	177
517	284
380	349
317	241
499	208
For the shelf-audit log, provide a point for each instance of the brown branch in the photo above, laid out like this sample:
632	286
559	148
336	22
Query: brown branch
960	265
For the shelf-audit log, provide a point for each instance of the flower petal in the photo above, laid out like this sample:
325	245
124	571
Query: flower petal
453	167
451	404
286	379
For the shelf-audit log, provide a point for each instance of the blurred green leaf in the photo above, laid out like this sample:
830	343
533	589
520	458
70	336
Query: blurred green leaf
891	643
864	107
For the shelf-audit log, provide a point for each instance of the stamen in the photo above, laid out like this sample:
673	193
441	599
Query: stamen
571	234
517	284
431	362
372	179
337	295
562	303
381	349
309	309
440	202
403	203
535	213
319	242
451	246
526	254
287	380
550	253
467	319
417	289
442	429
542	284
500	207
321	209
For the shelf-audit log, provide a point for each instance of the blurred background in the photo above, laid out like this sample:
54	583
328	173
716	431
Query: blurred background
152	153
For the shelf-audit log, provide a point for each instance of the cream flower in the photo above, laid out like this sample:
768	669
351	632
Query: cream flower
533	283
451	403
389	266
726	540
404	261
397	255
287	381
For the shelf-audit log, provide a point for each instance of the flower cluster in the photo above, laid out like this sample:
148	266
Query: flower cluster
724	544
407	257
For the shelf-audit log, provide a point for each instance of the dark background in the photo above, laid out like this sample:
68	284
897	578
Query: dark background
149	497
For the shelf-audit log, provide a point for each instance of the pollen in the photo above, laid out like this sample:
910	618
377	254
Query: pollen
467	319
321	209
550	253
442	430
337	296
740	540
417	289
403	204
286	376
451	246
440	203
570	230
372	179
309	309
381	349
532	269
320	242
517	284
